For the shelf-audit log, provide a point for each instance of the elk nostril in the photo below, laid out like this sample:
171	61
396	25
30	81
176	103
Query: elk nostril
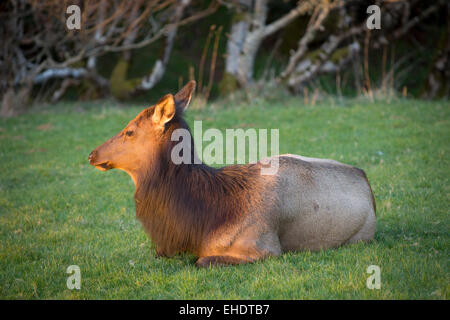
91	156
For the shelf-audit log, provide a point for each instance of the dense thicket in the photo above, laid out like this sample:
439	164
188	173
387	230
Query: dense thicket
234	44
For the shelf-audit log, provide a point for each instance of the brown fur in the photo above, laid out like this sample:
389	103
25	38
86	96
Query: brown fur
180	205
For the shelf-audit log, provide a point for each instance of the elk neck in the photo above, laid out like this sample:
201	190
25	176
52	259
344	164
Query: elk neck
179	205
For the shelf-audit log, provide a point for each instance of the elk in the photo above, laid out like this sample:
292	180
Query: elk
234	215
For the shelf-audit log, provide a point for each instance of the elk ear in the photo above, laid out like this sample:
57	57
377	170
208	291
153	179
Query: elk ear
183	97
164	110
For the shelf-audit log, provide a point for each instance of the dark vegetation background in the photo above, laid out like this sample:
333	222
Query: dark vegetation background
408	56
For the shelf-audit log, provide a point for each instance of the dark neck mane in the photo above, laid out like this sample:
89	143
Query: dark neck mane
179	205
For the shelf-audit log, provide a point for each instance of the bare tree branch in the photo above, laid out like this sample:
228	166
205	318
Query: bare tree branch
302	8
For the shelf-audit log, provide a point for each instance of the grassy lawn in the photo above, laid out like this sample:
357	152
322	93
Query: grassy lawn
56	210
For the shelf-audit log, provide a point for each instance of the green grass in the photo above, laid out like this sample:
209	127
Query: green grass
56	210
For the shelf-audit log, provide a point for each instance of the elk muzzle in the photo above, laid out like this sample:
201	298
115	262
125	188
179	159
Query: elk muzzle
101	165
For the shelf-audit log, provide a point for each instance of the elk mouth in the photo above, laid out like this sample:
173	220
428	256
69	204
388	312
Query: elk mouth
103	166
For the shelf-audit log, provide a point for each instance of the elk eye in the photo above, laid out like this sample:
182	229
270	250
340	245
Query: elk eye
129	133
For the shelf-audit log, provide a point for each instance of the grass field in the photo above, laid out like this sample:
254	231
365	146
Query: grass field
56	210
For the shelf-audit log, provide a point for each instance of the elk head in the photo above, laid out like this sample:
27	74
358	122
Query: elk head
137	145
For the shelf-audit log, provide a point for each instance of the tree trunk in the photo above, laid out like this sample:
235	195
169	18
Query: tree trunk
248	30
243	43
438	81
235	44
